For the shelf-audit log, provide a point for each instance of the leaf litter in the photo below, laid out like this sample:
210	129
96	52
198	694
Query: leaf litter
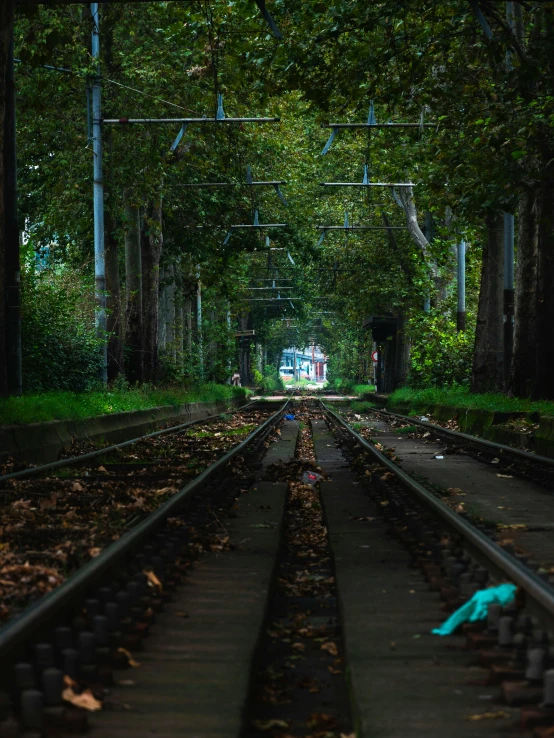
51	526
300	681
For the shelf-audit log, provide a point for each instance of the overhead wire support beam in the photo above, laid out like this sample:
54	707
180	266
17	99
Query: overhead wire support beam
372	123
201	121
362	228
379	125
367	184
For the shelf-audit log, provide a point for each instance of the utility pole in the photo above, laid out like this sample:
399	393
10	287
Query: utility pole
199	324
461	314
11	235
98	198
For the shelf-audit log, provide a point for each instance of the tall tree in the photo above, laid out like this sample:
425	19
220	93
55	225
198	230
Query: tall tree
6	30
488	368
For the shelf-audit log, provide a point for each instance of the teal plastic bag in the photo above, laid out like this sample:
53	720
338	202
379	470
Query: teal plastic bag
477	607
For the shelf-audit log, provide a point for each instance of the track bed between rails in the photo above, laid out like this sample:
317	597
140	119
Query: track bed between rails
515	509
404	681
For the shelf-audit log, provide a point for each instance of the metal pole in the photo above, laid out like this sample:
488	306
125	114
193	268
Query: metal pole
508	293
428	230
461	315
199	324
11	235
98	195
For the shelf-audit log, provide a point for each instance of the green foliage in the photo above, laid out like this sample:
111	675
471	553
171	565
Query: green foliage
348	387
419	400
361	406
35	408
440	355
60	347
271	381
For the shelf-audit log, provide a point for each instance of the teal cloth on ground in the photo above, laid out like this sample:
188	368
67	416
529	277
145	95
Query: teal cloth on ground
477	607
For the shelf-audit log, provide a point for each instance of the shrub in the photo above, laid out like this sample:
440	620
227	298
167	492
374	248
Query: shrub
59	343
271	381
440	356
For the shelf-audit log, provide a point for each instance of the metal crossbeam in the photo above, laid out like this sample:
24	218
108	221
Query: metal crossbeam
362	228
367	184
379	125
371	123
200	121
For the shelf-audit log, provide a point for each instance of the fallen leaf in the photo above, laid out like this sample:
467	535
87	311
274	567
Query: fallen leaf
182	614
86	699
511	526
77	487
332	670
130	660
386	475
489	715
153	580
125	682
270	724
330	647
349	735
505	476
94	552
69	682
101	469
384	503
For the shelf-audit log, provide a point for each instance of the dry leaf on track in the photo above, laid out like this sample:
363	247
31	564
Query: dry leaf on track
330	647
153	580
270	724
489	715
130	660
86	699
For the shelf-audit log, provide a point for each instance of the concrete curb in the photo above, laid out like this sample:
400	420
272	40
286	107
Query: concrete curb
42	442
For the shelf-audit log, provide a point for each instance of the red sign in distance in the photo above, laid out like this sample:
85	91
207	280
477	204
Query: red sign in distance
375	356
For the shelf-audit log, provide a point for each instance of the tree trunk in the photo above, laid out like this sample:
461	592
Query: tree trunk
402	353
487	373
188	328
151	250
522	373
162	311
6	26
133	292
170	311
114	323
543	387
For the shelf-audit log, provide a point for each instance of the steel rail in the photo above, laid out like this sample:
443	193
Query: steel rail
540	595
40	614
34	470
500	447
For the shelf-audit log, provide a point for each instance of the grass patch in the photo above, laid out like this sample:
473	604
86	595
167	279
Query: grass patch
406	429
361	406
36	408
419	399
350	387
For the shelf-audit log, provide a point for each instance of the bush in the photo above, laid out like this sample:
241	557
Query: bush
59	343
440	356
271	381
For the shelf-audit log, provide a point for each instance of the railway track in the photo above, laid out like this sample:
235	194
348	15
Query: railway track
325	568
103	564
535	467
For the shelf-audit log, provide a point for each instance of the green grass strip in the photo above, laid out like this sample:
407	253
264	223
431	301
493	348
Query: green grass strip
37	408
